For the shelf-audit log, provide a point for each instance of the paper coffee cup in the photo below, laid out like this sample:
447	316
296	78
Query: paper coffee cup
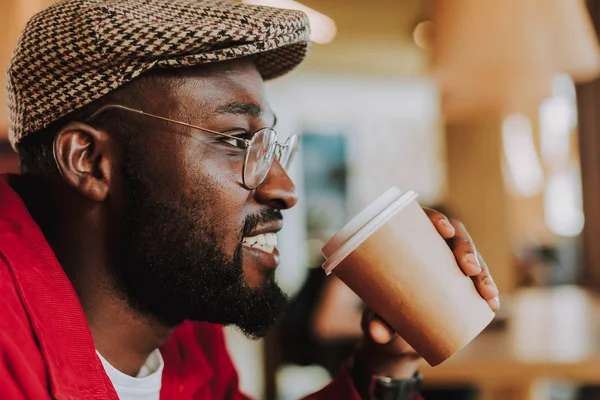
394	259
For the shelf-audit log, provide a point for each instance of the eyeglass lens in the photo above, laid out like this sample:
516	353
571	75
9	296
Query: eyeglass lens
261	153
288	151
260	157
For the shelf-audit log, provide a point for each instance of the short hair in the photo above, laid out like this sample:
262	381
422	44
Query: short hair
36	152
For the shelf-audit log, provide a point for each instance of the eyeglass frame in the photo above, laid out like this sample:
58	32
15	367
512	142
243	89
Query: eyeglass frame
278	151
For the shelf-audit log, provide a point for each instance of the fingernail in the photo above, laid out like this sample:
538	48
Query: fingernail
448	225
497	301
472	260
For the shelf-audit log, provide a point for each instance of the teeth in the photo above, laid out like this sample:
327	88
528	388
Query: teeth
265	242
271	239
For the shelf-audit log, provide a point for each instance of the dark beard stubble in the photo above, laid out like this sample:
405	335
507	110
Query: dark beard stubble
170	263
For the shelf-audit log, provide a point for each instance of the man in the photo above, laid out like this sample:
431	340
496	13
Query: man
151	190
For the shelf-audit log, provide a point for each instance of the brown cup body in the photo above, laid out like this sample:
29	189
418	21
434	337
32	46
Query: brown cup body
407	274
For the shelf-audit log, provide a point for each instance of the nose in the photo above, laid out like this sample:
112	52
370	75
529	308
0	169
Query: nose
277	190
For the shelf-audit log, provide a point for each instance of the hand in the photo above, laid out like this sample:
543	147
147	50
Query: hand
469	260
382	351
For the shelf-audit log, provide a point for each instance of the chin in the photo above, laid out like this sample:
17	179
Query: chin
257	279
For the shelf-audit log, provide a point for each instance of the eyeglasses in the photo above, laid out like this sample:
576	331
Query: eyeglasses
260	150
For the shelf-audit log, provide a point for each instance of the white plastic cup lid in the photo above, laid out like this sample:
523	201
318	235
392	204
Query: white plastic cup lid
369	220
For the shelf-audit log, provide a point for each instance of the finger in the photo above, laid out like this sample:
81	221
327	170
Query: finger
494	303
484	268
489	283
376	328
485	286
464	250
365	320
441	223
380	331
399	347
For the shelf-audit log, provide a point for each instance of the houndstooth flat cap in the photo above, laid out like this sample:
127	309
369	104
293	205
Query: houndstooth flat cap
76	51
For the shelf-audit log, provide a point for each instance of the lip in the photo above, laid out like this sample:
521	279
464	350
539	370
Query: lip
259	257
262	258
273	227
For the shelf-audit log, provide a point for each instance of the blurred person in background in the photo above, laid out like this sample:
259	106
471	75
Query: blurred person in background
151	190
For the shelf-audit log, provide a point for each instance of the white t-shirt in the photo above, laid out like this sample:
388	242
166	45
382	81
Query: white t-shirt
144	386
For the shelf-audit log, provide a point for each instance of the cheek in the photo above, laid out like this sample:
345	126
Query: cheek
209	182
224	199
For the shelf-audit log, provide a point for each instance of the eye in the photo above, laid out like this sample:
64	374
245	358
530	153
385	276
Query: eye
237	143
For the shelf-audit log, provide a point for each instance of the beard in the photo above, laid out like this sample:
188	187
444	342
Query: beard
171	263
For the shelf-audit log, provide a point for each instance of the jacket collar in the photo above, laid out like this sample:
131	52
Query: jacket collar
55	313
60	325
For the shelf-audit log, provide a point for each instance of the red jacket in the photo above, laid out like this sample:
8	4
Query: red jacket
46	347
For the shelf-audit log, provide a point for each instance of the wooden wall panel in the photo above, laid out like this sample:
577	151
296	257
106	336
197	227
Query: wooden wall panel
588	98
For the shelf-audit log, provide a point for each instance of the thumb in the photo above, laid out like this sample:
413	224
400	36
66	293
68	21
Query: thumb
376	328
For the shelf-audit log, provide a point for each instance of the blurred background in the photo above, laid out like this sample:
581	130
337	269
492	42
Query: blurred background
489	110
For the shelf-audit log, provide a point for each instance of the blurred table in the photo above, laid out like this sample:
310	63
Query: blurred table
550	334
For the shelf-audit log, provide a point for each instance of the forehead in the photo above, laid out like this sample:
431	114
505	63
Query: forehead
210	89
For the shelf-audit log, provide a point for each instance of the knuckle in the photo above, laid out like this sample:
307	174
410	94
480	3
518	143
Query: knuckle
465	244
483	278
435	215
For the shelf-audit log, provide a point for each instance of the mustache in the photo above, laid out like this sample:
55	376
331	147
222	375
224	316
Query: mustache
261	218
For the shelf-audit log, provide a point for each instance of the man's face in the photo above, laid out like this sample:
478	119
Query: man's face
189	234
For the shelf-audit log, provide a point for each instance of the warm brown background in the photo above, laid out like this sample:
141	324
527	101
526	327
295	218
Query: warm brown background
375	38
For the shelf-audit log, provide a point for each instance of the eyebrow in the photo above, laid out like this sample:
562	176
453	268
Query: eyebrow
241	108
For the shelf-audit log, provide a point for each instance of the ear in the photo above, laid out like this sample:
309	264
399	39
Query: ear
84	159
